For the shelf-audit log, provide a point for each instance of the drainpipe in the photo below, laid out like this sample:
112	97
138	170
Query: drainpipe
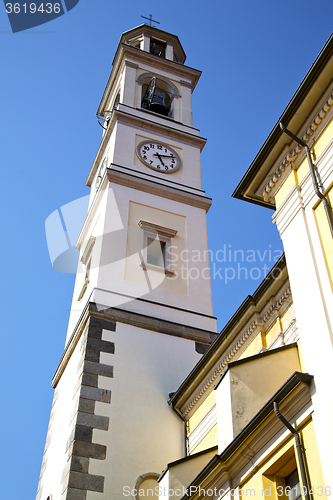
178	413
313	175
298	450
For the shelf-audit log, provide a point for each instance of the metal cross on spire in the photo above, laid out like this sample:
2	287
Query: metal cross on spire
151	20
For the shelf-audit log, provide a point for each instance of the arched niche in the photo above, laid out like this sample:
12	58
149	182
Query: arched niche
145	485
165	89
116	100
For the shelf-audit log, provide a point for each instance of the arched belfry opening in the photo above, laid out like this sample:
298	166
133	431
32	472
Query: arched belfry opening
157	47
156	98
158	95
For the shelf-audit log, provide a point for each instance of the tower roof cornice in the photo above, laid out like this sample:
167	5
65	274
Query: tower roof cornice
154	33
127	54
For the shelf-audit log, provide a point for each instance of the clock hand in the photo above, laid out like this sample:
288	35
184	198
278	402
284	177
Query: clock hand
159	157
166	156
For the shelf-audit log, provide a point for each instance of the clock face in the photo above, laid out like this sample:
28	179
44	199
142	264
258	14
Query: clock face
158	156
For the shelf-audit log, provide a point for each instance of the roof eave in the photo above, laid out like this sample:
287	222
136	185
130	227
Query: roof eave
198	372
295	379
286	117
137	55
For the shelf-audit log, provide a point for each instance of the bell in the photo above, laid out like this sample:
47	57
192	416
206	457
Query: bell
154	100
153	50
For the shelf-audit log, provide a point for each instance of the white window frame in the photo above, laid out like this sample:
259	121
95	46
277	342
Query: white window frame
100	175
86	261
163	234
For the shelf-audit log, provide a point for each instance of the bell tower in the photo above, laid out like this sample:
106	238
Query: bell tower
141	313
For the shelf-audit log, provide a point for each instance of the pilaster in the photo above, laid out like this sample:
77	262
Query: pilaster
295	222
128	87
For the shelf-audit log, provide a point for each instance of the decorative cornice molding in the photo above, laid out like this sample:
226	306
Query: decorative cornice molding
325	173
88	249
275	305
155	228
131	64
280	173
154	187
184	83
146	120
256	324
286	294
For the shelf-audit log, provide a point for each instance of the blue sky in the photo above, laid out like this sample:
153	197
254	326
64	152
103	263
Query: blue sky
253	56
